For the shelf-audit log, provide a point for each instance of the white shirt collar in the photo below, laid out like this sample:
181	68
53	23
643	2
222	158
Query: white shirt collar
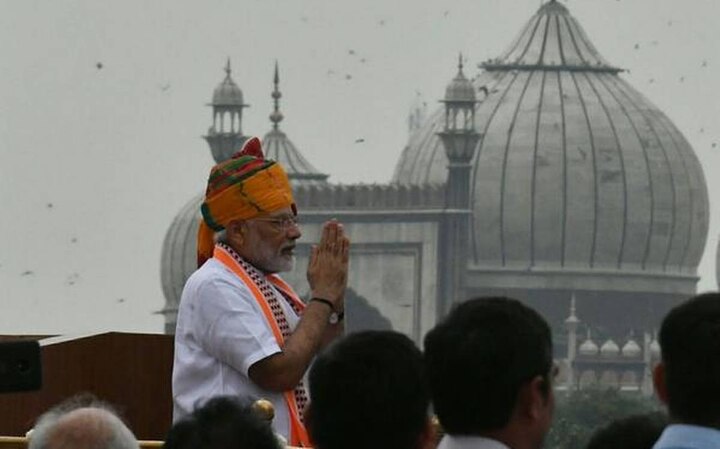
469	442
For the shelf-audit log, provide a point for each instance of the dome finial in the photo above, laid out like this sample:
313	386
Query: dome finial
276	116
460	64
572	319
228	70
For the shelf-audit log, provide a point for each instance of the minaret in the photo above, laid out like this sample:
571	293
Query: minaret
571	324
225	135
278	147
459	138
417	114
276	116
646	386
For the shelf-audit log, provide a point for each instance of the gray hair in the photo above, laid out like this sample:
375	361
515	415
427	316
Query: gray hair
82	422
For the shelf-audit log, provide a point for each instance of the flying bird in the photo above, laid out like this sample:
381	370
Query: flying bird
71	279
637	46
49	205
99	65
704	63
351	52
348	77
360	140
27	273
165	87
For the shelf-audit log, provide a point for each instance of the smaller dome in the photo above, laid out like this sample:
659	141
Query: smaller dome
609	349
588	348
631	349
655	349
227	93
460	88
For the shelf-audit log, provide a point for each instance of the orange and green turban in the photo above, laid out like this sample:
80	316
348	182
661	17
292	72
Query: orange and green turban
243	187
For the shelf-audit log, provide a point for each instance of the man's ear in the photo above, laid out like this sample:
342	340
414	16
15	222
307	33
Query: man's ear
537	396
659	382
532	400
236	232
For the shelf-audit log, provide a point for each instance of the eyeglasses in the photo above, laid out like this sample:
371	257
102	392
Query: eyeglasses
282	223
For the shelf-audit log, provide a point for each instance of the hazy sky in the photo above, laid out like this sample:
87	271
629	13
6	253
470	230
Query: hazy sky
104	103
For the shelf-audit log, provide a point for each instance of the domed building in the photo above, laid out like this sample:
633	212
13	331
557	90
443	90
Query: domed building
579	183
544	177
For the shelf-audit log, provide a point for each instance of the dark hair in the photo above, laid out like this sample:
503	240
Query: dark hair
477	359
632	432
368	390
690	342
224	422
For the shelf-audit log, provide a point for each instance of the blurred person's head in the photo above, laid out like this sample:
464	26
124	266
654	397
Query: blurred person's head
82	422
368	390
688	377
632	432
490	369
223	422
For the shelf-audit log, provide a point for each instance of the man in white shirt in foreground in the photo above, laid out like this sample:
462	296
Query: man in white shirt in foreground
490	369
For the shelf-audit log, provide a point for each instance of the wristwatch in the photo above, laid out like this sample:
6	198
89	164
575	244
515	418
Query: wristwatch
334	316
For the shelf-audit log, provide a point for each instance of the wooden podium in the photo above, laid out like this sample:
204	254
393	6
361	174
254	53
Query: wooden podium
130	371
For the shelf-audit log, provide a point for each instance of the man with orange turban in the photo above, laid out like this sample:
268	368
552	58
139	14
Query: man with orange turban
241	330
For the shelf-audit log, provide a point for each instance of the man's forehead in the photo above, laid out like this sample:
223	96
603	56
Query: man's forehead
284	212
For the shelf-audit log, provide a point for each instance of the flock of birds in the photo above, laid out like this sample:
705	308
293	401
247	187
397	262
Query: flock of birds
72	278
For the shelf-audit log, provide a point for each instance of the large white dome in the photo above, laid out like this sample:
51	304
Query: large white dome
577	171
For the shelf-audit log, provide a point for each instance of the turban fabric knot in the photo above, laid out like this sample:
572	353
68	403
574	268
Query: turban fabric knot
243	187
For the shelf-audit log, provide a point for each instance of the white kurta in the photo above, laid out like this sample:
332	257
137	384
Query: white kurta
221	332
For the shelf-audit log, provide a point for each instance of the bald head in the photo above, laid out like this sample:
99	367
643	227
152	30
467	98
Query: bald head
82	428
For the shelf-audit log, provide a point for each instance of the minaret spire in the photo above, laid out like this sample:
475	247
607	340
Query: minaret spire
228	70
276	117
